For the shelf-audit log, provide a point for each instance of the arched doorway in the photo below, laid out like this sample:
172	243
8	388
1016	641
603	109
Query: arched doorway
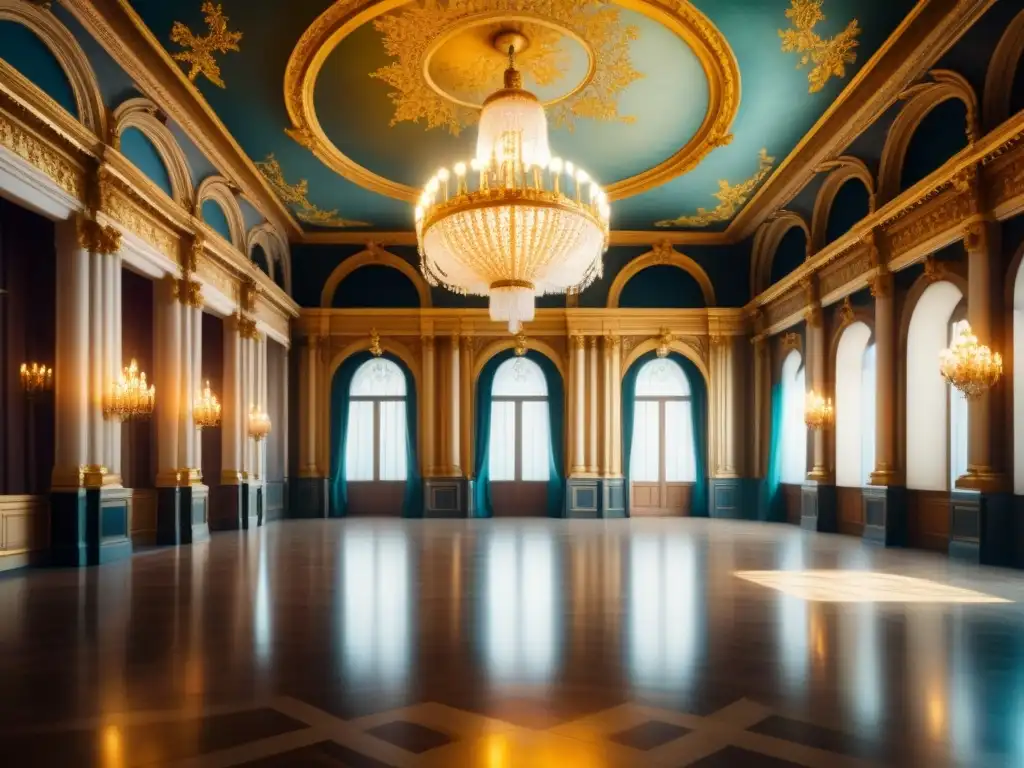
373	459
665	417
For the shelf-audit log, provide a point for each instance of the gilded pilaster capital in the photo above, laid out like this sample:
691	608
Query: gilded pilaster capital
933	269
792	341
248	290
97	238
881	285
812	315
467	343
579	342
247	327
428	343
846	314
612	341
592	342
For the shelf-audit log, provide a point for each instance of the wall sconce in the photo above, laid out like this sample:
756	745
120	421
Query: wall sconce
969	366
818	411
132	398
36	378
206	410
259	424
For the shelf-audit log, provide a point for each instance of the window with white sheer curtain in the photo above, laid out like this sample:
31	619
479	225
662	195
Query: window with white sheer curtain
855	406
520	443
375	447
957	419
793	433
662	445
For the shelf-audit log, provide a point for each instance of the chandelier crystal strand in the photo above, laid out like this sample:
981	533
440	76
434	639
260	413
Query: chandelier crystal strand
513	223
970	367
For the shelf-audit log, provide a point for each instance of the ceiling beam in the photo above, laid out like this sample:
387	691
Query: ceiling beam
922	38
124	35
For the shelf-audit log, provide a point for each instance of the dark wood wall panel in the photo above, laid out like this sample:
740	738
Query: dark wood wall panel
792	495
928	520
850	509
138	438
213	370
27	333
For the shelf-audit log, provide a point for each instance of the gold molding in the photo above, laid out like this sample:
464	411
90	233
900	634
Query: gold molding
199	49
661	254
829	57
297	196
731	199
620	237
679	16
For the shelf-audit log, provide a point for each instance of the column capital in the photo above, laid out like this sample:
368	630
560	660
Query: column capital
880	285
97	238
248	290
612	341
428	343
246	327
579	341
812	315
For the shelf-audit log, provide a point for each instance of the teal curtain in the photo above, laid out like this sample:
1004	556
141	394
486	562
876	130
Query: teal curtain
771	503
556	413
340	387
699	405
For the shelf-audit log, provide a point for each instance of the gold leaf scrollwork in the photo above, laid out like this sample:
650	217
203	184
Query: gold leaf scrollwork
409	35
297	196
846	313
829	57
791	341
731	198
247	328
199	49
96	238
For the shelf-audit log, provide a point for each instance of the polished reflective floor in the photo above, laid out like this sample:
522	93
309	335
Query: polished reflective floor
515	643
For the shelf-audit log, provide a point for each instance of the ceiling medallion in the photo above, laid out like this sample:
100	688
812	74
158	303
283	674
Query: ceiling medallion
830	56
730	198
680	17
297	196
507	225
412	36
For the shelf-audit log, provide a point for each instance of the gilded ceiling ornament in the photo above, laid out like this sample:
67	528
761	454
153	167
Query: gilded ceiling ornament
829	56
296	195
731	198
410	35
198	53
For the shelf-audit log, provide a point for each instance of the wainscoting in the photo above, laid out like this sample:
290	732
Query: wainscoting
850	506
793	498
24	530
928	520
143	517
275	494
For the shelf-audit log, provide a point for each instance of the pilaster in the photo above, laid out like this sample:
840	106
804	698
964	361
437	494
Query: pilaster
593	433
578	377
429	418
885	473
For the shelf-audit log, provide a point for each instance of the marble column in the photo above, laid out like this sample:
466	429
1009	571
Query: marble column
762	406
466	405
579	379
592	405
885	472
429	411
454	408
615	385
606	410
982	474
226	509
816	382
167	362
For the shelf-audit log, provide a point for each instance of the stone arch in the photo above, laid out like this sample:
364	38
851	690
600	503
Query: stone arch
766	242
921	99
69	54
839	172
142	114
500	345
684	348
1001	72
219	190
276	248
662	254
377	256
863	315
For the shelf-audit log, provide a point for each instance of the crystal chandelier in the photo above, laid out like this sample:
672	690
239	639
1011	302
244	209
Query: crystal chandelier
818	411
132	398
259	424
206	410
36	378
969	366
514	223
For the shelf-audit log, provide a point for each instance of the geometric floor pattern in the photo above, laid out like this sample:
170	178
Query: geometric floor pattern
626	736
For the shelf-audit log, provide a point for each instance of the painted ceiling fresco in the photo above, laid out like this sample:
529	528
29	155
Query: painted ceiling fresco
680	109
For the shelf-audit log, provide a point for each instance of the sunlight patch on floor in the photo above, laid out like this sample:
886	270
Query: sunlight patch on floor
863	587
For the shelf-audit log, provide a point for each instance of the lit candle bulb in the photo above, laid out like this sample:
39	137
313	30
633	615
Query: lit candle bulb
443	176
460	175
556	171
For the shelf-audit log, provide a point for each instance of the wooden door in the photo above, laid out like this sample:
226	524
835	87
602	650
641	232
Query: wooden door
660	498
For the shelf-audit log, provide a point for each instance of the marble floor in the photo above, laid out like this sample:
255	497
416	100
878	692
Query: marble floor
515	643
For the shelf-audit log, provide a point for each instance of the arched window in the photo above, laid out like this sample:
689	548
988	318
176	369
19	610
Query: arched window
793	434
957	418
936	450
520	442
855	406
1018	379
662	446
376	442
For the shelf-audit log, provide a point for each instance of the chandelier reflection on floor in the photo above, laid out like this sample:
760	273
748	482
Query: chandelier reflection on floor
969	366
515	223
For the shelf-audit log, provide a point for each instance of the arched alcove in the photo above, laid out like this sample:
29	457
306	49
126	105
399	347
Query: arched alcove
791	253
662	286
855	406
374	256
259	258
214	215
143	154
929	448
938	137
851	204
28	54
376	285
